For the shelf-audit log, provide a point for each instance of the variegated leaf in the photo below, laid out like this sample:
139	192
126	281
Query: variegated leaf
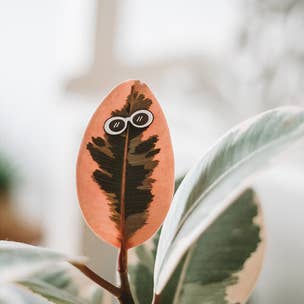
59	284
18	260
125	170
49	292
220	268
223	265
213	183
62	285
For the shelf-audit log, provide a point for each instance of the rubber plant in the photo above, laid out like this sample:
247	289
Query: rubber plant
211	243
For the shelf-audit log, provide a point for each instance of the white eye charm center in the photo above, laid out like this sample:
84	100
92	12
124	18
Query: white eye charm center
118	124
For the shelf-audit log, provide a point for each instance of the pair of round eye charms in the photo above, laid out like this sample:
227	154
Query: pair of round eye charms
118	124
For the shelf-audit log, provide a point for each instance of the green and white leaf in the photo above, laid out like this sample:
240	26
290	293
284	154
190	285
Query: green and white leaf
213	183
96	295
213	264
223	265
59	276
63	287
10	294
51	293
60	285
18	260
66	277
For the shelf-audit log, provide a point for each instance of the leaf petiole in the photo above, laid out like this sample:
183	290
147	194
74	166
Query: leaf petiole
122	293
116	291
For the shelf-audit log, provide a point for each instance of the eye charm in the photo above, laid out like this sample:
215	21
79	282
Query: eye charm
118	124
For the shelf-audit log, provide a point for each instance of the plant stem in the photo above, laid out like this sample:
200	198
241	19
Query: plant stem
156	299
126	295
122	293
116	291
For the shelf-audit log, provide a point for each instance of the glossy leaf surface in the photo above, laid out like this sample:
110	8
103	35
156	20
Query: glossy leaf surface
125	170
213	183
221	267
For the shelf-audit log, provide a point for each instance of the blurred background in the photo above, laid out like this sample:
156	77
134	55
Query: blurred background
211	64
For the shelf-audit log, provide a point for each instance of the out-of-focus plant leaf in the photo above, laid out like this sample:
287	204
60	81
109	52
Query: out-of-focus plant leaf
96	296
213	183
63	285
7	175
51	293
18	260
66	278
10	294
37	275
60	276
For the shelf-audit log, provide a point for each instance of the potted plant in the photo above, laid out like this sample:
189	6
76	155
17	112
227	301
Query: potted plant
210	247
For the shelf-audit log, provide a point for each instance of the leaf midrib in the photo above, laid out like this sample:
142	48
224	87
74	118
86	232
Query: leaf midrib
123	191
183	275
